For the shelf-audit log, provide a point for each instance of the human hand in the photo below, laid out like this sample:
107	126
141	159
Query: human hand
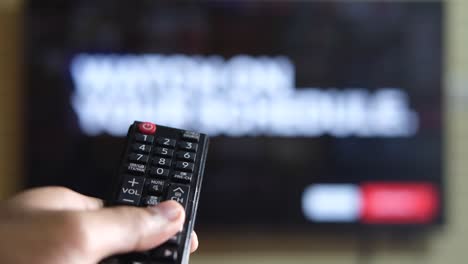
54	225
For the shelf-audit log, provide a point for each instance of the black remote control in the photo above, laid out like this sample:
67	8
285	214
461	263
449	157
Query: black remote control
161	163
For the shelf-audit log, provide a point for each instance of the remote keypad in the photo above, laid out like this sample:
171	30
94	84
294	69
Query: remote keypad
162	163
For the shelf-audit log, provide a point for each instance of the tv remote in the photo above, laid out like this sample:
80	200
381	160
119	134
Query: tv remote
161	163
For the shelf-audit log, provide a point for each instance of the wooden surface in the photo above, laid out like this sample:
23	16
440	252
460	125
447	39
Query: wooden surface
10	97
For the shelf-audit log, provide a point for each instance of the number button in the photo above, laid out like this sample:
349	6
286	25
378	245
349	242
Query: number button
164	152
144	138
162	162
185	166
190	156
139	158
159	172
166	142
188	146
141	148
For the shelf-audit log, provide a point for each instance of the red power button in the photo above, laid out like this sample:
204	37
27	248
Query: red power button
147	128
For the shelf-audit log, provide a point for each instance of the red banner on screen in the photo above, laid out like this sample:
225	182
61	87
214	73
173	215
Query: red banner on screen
399	203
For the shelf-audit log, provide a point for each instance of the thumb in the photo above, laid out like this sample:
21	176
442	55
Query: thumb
125	229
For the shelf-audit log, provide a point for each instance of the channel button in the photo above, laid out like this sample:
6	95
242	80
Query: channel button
179	193
182	176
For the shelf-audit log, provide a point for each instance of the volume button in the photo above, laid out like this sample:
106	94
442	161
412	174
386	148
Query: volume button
131	190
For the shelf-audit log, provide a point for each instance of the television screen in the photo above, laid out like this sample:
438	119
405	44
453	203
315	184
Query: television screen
318	112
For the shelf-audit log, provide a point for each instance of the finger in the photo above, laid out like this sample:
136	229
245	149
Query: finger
193	242
54	198
125	229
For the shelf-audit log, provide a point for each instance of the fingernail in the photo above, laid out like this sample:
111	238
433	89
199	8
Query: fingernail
168	210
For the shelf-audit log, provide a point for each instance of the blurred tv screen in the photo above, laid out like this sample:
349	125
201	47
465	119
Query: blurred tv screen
319	112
